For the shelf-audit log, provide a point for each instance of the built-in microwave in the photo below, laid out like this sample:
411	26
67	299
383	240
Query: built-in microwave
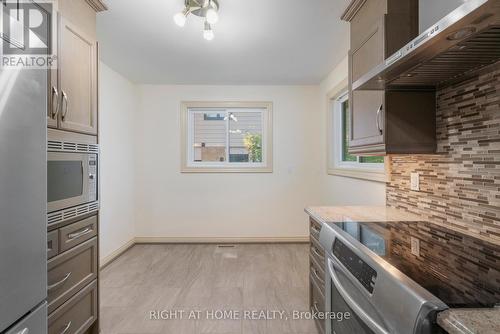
72	180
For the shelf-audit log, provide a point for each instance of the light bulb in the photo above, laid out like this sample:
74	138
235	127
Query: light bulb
208	33
212	16
180	18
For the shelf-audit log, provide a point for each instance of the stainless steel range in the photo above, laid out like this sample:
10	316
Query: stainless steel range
396	277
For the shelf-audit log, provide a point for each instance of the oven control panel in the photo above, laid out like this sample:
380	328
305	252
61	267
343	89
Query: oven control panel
92	177
365	274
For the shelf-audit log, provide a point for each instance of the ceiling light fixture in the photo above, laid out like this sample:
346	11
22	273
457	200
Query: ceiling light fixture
207	9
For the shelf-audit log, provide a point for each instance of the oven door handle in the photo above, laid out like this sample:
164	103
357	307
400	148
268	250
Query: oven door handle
378	329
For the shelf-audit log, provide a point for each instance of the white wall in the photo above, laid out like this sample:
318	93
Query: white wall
140	127
215	206
340	190
118	105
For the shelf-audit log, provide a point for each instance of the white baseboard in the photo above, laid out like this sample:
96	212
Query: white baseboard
111	257
219	240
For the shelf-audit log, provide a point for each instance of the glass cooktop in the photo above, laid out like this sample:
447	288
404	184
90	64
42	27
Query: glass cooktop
461	270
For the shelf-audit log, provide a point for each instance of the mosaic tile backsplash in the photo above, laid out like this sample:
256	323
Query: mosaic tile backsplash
460	185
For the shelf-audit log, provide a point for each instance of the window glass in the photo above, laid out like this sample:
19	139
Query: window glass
245	137
209	131
221	136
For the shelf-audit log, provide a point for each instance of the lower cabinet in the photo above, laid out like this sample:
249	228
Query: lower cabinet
316	274
77	314
70	272
72	275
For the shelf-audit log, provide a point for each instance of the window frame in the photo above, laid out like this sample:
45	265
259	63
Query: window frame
336	165
188	165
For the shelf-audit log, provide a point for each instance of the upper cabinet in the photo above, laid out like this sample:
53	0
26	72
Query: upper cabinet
73	91
77	79
385	122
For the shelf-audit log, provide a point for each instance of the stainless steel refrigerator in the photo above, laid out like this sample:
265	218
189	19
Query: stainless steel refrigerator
23	232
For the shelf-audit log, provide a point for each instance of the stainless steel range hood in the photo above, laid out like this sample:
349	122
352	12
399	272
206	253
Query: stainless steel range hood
464	41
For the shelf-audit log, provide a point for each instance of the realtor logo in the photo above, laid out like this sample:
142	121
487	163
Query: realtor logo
26	33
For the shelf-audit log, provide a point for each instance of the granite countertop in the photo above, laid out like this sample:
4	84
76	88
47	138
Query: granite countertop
362	214
454	321
470	321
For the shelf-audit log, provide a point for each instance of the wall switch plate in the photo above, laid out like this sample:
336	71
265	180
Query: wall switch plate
415	181
415	246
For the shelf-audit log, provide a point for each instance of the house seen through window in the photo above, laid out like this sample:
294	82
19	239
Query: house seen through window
229	137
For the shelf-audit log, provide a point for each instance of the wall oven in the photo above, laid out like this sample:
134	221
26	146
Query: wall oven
72	180
364	294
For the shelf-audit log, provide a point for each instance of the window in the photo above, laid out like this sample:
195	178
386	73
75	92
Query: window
340	161
227	137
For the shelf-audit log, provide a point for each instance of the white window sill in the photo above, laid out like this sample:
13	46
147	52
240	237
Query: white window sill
359	173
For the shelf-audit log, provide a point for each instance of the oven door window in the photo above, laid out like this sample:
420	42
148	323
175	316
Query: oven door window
352	325
64	179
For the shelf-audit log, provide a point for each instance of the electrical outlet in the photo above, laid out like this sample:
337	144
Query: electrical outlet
415	246
415	181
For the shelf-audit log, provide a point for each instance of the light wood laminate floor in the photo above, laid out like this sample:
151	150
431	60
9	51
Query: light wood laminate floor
205	278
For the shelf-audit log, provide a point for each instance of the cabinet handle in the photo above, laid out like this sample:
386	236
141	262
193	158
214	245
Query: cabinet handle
379	112
80	234
315	306
66	328
24	331
315	273
57	284
65	98
315	229
55	97
315	251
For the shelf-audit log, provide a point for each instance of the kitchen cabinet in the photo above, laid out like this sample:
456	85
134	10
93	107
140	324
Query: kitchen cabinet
385	122
77	79
72	116
73	89
316	274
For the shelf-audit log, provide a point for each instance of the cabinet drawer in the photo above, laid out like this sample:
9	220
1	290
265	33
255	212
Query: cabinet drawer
314	229
76	233
317	274
317	252
77	314
71	271
318	303
52	244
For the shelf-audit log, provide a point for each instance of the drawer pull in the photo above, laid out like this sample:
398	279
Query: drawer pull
80	234
24	331
315	306
57	284
315	251
379	112
315	273
68	326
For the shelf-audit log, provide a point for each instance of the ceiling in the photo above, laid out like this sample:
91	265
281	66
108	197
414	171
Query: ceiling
267	42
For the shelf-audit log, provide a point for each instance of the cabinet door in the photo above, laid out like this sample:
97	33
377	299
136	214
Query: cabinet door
77	79
366	107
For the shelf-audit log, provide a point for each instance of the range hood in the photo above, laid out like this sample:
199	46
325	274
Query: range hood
463	42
